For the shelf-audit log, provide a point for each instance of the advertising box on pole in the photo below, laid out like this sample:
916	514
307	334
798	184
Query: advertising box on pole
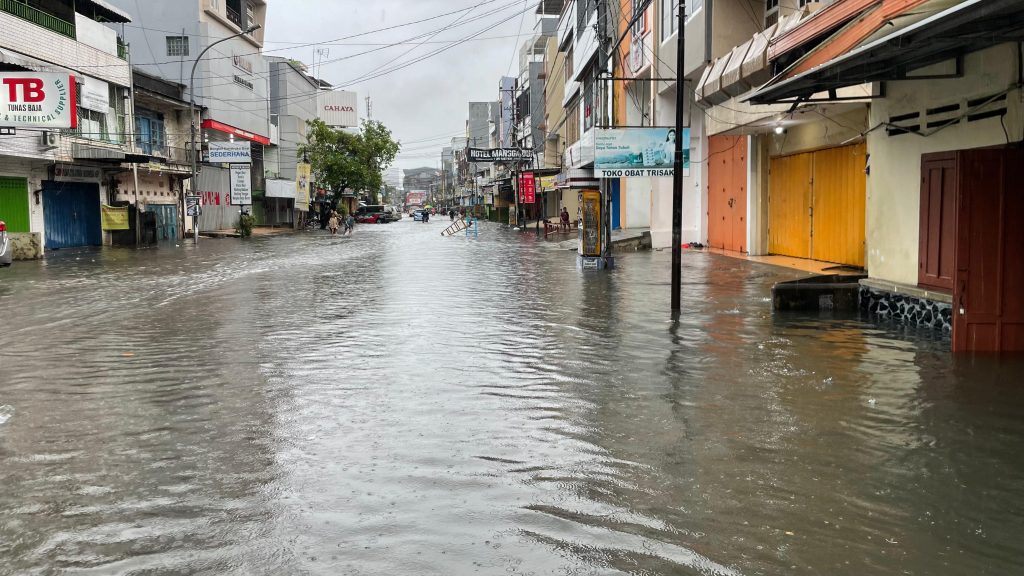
638	152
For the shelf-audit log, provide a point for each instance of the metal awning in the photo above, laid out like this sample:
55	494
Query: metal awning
935	32
80	151
107	10
13	58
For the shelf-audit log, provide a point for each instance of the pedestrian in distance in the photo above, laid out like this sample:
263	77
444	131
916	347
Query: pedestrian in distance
350	224
333	223
451	215
564	216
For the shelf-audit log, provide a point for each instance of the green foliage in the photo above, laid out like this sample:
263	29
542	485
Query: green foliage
246	222
344	160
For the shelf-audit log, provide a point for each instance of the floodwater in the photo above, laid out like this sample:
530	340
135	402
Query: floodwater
401	403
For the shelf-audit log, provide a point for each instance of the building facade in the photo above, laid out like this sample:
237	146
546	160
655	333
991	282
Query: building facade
231	84
54	181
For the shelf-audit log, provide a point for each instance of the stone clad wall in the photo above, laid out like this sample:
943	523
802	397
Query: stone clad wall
907	309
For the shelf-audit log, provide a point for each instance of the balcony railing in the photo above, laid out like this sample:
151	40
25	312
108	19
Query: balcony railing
234	16
37	17
122	49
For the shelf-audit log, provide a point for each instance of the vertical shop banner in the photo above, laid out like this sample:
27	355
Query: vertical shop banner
304	171
590	223
241	185
638	152
527	188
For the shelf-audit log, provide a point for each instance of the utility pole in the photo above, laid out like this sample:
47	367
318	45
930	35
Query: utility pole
677	181
604	58
369	108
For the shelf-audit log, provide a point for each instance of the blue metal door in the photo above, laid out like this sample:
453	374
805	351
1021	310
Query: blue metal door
616	189
166	221
71	214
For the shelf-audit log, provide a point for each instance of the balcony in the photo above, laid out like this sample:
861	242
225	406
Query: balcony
235	16
37	17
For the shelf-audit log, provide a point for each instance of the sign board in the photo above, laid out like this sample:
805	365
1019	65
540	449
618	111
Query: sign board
527	188
37	100
192	206
241	184
338	108
72	173
547	183
281	189
638	152
230	153
96	95
114	218
304	172
590	223
482	155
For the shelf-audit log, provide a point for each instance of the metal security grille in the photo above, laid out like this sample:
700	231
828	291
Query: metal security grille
14	204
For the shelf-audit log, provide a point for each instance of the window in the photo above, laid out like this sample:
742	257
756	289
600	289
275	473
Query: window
568	66
572	124
177	45
771	13
669	18
640	25
105	126
589	103
585	10
150	135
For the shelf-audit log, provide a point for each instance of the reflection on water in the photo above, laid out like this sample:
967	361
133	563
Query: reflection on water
401	403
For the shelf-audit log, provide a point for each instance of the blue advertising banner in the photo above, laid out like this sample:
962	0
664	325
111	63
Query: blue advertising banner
638	152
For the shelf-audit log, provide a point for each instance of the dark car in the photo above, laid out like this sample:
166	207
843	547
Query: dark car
5	246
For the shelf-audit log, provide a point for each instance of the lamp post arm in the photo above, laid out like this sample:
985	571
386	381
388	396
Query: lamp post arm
192	113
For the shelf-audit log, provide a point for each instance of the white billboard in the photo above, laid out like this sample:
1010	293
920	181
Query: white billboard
37	100
230	153
338	108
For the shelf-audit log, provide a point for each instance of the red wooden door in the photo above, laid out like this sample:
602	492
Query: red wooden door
988	295
937	251
727	193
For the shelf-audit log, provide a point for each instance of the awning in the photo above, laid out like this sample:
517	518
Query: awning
937	31
236	132
102	154
8	56
107	10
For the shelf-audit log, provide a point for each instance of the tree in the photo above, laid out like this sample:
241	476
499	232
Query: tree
344	160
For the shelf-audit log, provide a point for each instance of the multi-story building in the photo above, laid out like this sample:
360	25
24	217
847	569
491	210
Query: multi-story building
53	182
162	133
921	184
580	42
231	81
293	103
481	118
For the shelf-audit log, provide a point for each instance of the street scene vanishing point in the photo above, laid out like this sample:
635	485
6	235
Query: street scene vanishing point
512	287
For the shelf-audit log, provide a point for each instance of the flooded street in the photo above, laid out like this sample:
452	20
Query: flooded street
401	403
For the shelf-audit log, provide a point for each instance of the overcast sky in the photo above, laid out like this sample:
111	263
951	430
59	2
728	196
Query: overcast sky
428	99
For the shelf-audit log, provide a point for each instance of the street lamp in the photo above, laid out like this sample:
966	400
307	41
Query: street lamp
192	112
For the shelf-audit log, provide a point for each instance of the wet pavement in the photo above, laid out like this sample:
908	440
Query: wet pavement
401	403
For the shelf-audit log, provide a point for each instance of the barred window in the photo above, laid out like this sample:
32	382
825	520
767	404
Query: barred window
177	46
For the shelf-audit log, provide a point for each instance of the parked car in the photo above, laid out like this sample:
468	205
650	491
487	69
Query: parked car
371	214
393	214
5	246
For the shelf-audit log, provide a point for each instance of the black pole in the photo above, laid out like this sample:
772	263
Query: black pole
677	181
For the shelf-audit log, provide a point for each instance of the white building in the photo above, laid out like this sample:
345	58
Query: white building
53	182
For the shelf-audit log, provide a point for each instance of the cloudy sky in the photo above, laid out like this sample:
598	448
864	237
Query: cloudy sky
423	103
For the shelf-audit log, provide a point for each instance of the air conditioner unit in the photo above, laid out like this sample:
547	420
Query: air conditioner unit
51	139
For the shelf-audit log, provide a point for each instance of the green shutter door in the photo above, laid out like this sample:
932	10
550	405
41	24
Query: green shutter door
14	203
